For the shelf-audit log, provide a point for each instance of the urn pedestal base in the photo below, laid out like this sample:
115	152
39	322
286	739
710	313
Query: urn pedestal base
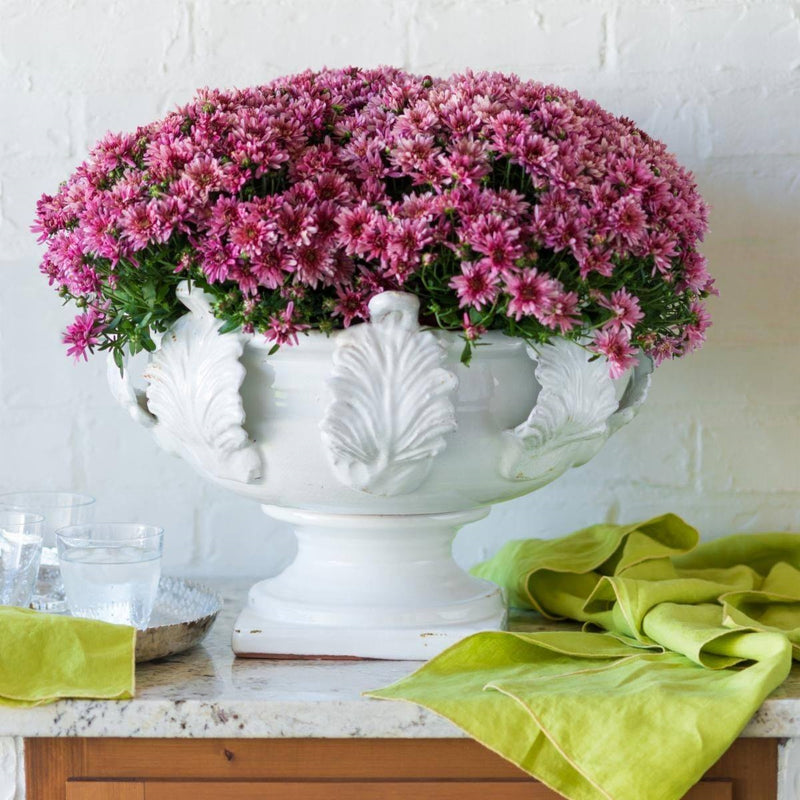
368	586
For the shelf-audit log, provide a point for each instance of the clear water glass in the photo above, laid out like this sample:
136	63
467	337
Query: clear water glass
59	509
111	570
20	552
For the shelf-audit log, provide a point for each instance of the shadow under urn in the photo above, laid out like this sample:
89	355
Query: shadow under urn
377	444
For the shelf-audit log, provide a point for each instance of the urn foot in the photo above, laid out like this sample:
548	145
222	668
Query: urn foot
364	586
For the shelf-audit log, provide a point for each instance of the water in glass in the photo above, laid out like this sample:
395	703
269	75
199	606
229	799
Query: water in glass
113	584
20	551
111	570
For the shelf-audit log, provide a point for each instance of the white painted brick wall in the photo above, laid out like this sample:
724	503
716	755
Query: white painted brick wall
718	80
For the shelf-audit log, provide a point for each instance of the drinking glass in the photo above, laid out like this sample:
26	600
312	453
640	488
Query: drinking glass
20	551
111	570
59	509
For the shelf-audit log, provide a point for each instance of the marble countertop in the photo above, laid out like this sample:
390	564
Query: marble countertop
208	693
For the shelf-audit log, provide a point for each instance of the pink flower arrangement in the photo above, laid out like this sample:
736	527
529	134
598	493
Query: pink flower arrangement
502	204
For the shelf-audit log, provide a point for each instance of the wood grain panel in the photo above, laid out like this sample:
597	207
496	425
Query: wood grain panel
748	771
752	766
48	765
300	759
104	790
339	790
711	790
344	790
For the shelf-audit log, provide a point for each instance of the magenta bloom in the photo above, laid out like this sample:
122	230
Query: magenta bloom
695	332
83	334
294	202
350	306
625	310
531	292
616	347
137	226
695	275
477	285
627	220
562	312
664	348
497	240
472	331
282	328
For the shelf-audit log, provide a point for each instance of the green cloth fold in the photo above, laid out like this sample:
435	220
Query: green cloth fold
681	645
46	657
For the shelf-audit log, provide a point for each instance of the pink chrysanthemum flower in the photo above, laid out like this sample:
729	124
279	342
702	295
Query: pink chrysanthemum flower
662	247
353	224
616	347
407	240
531	293
472	331
217	259
83	334
534	151
137	226
416	154
695	274
626	312
350	305
562	312
596	261
250	233
695	331
466	163
205	173
282	328
664	348
477	286
497	240
627	220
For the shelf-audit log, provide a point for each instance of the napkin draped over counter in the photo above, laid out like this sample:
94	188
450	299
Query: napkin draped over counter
46	657
694	638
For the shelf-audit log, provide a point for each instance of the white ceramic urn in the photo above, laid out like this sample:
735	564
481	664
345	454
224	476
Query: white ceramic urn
377	444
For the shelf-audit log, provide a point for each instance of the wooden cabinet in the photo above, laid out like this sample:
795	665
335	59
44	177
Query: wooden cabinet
371	790
327	769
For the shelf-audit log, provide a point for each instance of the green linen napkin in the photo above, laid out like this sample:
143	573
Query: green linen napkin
694	639
45	657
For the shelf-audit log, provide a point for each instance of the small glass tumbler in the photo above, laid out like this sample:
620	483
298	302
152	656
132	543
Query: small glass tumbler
20	552
59	509
111	570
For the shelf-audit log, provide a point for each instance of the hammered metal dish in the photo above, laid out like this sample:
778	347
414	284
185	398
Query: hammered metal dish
184	613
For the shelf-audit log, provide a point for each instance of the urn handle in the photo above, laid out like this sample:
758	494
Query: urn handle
635	394
390	409
132	399
404	306
192	402
575	413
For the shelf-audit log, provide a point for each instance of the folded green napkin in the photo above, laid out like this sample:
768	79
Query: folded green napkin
696	638
44	657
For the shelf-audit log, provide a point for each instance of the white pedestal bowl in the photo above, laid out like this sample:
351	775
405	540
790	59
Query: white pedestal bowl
377	445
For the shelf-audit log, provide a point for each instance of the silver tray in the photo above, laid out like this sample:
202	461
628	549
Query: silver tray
183	614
